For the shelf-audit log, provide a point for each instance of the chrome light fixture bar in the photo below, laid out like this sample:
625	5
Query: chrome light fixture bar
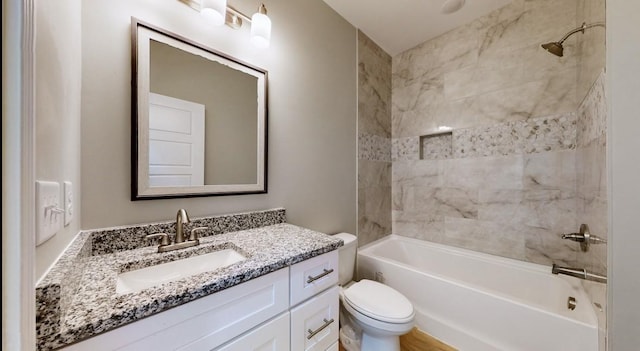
219	12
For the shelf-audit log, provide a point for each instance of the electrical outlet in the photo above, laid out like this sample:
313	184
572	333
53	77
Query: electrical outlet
68	203
50	216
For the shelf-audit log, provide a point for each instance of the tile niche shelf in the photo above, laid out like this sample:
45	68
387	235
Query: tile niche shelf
436	146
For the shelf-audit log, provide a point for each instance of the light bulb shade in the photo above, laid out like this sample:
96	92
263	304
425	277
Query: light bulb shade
260	30
214	11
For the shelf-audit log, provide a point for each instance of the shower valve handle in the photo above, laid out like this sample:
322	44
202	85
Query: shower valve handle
574	236
584	238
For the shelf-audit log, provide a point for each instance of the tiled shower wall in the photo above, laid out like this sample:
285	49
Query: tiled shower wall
374	141
519	169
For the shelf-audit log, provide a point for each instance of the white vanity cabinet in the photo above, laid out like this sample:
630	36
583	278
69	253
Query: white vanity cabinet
313	316
315	303
272	336
292	309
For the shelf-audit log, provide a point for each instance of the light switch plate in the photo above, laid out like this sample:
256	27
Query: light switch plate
68	202
50	216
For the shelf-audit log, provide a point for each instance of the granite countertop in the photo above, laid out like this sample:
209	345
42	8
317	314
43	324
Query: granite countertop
95	307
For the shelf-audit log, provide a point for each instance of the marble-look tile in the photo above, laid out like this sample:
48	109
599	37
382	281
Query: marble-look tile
374	88
548	19
436	146
592	115
404	149
591	165
480	73
527	159
442	202
374	214
485	236
418	225
552	210
427	173
550	170
374	173
484	173
547	248
475	80
503	206
547	96
373	147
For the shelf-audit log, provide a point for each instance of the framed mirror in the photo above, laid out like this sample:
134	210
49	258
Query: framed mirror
199	119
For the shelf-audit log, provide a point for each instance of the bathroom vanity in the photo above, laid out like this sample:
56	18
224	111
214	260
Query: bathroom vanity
278	293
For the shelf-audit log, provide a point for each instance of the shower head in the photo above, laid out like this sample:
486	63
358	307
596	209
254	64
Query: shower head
556	47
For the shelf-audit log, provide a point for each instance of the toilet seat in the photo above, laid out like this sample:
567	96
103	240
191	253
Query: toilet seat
379	302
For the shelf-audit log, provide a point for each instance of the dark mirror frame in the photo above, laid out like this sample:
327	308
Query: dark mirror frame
139	190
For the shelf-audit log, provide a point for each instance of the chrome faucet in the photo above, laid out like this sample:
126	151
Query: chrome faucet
179	242
578	273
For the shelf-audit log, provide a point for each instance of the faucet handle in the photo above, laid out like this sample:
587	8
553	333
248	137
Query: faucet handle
194	233
584	238
164	238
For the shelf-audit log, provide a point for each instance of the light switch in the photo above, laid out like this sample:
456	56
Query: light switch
68	202
49	215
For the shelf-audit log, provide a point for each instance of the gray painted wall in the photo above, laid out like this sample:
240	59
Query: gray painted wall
58	99
312	115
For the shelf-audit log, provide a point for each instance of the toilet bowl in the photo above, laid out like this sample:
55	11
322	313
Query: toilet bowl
379	311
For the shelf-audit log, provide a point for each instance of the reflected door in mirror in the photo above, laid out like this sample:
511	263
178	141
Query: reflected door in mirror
176	142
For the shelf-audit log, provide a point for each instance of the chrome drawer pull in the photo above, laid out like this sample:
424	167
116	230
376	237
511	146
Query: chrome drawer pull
313	333
326	272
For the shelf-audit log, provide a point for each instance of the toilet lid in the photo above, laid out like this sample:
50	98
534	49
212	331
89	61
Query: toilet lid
379	301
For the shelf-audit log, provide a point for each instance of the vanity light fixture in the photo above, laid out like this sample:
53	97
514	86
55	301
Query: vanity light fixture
261	28
214	11
218	12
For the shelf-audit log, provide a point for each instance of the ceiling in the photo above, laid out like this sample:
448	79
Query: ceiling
398	25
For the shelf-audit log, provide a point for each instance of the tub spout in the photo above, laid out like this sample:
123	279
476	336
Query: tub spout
578	273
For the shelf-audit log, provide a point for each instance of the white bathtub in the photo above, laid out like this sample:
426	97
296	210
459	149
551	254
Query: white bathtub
480	302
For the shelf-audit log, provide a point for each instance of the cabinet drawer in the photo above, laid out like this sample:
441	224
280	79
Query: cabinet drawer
313	276
314	324
273	336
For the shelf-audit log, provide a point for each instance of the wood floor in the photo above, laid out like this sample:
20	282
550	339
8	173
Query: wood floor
416	340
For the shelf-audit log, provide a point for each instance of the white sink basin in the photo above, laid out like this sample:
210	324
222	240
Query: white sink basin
162	273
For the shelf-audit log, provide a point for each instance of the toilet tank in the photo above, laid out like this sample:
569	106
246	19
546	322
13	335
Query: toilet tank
347	257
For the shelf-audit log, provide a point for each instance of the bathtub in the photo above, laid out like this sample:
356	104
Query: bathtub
479	302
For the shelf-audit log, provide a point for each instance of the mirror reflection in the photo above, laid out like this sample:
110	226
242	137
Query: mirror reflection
200	120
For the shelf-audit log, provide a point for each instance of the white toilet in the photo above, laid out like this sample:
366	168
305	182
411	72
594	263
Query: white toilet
382	313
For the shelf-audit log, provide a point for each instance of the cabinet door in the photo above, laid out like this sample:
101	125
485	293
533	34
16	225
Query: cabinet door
273	336
314	324
313	276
